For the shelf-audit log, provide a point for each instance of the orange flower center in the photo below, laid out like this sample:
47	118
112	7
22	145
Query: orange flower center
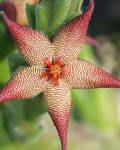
54	70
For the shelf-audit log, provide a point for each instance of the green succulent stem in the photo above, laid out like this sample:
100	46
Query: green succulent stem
50	15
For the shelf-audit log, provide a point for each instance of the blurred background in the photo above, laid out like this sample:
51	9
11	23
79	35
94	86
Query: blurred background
95	114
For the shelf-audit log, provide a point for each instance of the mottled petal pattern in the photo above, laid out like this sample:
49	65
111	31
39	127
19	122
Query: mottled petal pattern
85	75
46	64
33	46
58	103
70	39
25	83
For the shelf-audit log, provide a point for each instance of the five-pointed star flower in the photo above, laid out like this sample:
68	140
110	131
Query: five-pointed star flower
54	68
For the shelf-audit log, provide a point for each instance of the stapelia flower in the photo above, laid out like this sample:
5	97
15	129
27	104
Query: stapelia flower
54	68
15	10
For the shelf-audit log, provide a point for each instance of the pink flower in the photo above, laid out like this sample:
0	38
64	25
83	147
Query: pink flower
53	68
15	10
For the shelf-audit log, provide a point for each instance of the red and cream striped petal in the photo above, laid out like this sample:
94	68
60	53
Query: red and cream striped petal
33	46
24	84
70	39
85	75
58	103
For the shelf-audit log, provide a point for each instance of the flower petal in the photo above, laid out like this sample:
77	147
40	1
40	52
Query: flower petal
24	84
58	103
70	39
91	41
85	75
33	46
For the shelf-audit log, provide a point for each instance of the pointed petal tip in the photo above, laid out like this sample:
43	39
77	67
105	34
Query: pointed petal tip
91	5
32	45
61	123
62	132
64	142
4	16
58	103
2	13
74	35
91	76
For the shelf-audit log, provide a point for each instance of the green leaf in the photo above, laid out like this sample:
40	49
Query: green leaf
9	120
40	1
74	10
43	17
4	74
36	104
4	138
8	48
1	0
52	15
30	11
15	61
60	12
